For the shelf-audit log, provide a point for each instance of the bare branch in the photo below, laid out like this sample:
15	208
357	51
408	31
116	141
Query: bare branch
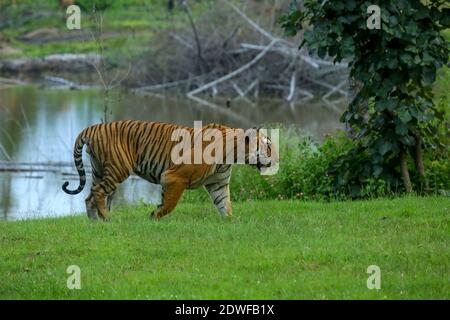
235	72
290	97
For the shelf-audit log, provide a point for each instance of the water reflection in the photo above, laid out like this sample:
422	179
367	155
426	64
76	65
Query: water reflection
39	125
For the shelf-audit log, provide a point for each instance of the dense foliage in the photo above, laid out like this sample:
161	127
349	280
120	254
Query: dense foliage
306	172
393	114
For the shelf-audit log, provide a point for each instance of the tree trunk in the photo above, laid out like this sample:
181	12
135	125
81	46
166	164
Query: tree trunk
201	61
418	158
170	5
405	173
105	106
354	87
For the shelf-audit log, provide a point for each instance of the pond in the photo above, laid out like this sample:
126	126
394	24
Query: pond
38	126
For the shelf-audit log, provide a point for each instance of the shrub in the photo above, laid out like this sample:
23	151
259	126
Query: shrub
309	170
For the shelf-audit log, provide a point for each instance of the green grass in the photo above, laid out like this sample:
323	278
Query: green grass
268	250
131	26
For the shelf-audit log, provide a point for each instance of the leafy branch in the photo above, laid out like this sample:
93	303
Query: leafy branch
393	112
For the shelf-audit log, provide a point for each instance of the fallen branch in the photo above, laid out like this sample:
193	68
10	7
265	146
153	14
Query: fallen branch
308	95
5	153
326	85
10	81
184	42
229	113
251	22
251	86
335	89
290	97
64	82
235	72
285	50
161	86
242	95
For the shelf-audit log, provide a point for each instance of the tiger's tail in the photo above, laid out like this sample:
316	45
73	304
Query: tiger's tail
77	156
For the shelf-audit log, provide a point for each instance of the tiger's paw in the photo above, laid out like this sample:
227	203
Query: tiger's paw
154	215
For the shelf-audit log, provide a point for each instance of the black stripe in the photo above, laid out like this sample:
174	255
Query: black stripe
96	175
154	152
221	199
151	136
221	186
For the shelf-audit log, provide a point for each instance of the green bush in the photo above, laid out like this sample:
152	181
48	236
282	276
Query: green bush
438	173
308	170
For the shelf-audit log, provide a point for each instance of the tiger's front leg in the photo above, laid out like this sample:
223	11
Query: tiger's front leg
170	196
220	194
172	189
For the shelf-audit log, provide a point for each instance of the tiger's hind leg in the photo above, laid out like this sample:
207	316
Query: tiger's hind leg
104	191
91	208
220	194
99	194
109	200
97	176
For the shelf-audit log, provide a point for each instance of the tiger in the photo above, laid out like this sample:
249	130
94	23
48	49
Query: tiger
118	149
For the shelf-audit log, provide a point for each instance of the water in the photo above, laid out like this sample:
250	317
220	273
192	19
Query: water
38	127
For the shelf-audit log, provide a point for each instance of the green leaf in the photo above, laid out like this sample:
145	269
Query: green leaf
408	140
404	116
377	170
429	75
445	18
385	148
380	105
401	129
391	104
406	58
392	63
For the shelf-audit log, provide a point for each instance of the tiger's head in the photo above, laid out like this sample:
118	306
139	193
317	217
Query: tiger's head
261	152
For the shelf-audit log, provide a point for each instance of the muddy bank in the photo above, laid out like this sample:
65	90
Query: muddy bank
66	62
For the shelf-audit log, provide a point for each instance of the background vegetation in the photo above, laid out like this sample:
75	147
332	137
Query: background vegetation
128	27
307	172
393	113
360	163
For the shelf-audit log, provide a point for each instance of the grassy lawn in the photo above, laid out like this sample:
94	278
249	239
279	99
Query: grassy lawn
268	250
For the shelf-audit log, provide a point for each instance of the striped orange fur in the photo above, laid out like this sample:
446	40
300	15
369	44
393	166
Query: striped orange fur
121	148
